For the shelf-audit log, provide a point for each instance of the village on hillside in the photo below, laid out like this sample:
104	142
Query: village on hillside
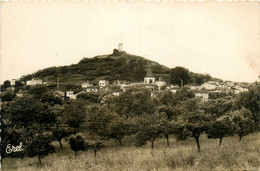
116	87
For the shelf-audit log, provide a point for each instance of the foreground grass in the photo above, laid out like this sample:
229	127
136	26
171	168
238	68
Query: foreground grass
181	155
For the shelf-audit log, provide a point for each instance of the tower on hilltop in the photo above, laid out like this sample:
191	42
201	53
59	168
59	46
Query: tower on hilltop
120	47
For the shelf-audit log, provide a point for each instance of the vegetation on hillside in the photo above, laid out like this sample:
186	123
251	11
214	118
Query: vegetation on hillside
117	66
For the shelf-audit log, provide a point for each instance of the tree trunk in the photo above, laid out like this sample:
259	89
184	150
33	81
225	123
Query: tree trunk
60	144
40	161
152	144
75	153
197	142
120	142
95	152
167	138
115	142
240	137
220	141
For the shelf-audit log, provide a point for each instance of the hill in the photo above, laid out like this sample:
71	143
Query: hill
119	66
115	66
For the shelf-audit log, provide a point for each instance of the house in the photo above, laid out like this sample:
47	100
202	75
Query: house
12	81
210	85
103	83
59	93
19	93
118	82
92	89
173	88
149	78
193	87
160	83
70	94
34	81
238	89
86	84
202	94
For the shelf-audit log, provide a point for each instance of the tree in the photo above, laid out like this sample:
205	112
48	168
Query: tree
194	119
60	133
251	100
37	91
74	115
149	129
27	120
98	121
168	127
243	121
134	102
96	146
7	96
51	99
39	146
77	143
18	84
184	94
221	127
6	84
179	76
117	128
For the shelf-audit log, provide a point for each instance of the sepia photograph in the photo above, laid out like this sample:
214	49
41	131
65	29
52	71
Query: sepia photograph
130	85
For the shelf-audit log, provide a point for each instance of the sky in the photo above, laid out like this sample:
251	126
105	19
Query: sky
218	38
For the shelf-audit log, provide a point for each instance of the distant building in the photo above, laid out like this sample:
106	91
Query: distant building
34	82
120	47
160	82
59	93
103	83
92	89
202	94
19	93
86	84
209	85
173	89
71	95
12	81
149	78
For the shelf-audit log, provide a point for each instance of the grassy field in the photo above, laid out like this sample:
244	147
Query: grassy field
181	155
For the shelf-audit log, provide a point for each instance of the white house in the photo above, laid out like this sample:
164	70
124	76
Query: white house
70	94
203	95
34	81
86	85
12	81
160	83
103	83
209	86
92	89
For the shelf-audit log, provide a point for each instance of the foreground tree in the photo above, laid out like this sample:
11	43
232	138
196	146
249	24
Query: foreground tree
194	119
117	129
39	146
29	121
131	103
96	146
74	115
149	129
77	143
220	128
244	123
251	100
